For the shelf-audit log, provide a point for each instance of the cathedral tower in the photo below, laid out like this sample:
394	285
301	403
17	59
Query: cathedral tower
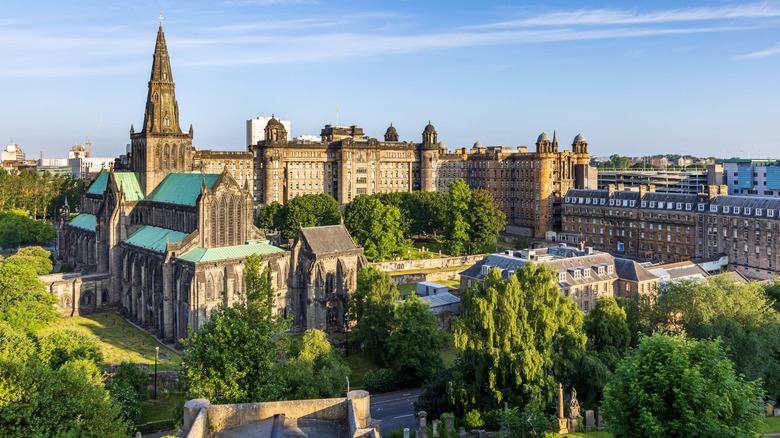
160	147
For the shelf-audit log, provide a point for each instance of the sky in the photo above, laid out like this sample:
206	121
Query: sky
635	79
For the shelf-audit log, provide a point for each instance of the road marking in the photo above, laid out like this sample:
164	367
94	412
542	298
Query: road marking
403	416
394	400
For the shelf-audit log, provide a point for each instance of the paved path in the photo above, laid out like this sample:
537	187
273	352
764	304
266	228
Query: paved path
293	428
395	409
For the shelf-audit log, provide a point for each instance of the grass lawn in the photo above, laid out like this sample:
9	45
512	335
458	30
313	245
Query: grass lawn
121	341
359	363
162	408
771	425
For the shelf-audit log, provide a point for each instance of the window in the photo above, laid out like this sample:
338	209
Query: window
736	210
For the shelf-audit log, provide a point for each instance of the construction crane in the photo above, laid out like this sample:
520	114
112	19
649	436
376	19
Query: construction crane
89	140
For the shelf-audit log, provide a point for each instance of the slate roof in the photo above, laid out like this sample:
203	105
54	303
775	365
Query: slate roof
631	270
441	299
84	221
130	186
154	238
752	202
329	238
507	264
199	254
626	194
582	193
182	188
670	197
99	185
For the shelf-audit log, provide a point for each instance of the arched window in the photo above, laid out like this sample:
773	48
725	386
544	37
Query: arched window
230	228
214	225
165	158
222	221
209	291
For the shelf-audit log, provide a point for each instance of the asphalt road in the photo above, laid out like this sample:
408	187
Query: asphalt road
395	409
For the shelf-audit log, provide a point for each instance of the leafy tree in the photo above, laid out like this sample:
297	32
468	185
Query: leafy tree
24	301
317	371
127	398
267	215
231	358
457	225
518	335
376	227
533	421
671	386
71	401
10	235
485	220
434	398
372	305
416	341
70	343
36	257
307	211
738	313
15	344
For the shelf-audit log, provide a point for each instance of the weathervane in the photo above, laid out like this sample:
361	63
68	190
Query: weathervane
161	18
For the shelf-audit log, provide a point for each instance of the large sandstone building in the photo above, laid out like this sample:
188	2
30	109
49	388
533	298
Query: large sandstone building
163	239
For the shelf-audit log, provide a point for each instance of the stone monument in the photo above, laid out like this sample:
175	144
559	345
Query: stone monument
574	413
590	421
563	422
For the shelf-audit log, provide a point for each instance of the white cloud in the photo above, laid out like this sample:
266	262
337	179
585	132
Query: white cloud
604	17
760	54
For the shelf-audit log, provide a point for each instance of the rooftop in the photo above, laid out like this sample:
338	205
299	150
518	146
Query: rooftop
182	188
200	254
84	221
154	238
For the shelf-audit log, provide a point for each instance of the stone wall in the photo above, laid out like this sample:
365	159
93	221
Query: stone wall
426	276
437	263
80	294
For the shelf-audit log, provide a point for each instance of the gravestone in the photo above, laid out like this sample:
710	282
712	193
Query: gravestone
770	408
406	432
435	425
462	432
574	413
590	421
602	423
563	423
448	425
422	431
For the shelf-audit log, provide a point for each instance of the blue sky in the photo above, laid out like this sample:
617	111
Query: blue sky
634	79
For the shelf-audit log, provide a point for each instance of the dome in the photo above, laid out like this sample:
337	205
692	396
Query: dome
274	122
543	137
442	145
477	145
429	128
391	129
579	138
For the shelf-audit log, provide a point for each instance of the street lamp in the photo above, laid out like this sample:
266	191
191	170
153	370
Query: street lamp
346	330
156	352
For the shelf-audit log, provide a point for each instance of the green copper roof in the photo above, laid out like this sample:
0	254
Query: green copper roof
229	252
128	181
182	188
99	185
84	221
154	238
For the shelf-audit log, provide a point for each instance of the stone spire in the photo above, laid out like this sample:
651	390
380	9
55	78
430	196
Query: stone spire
162	110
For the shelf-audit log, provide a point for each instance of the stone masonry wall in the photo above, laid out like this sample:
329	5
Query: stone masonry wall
438	263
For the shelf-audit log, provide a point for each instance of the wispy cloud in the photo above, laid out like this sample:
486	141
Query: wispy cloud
760	54
605	17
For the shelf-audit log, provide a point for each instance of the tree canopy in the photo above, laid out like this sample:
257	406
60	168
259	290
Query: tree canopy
372	306
306	211
316	371
518	336
24	301
485	220
457	227
671	386
231	358
266	217
376	227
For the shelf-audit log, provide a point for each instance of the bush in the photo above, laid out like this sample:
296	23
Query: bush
67	344
381	380
124	394
473	420
66	267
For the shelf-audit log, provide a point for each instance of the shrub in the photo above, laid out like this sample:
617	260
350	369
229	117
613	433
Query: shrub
381	380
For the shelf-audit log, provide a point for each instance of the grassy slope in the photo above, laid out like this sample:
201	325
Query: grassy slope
121	341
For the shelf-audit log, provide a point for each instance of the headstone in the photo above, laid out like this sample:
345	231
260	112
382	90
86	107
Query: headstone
601	422
590	421
574	412
406	432
461	432
489	435
435	425
777	412
482	434
422	431
138	435
448	425
770	408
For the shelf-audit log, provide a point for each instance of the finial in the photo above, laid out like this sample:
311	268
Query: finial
160	18
342	220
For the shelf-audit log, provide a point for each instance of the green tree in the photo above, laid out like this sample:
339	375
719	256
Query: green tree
457	226
24	301
738	313
71	401
231	358
307	211
34	256
671	386
67	344
317	371
485	220
10	235
376	227
267	215
518	335
15	344
372	306
416	341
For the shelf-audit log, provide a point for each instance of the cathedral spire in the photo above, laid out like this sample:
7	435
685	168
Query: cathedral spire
162	110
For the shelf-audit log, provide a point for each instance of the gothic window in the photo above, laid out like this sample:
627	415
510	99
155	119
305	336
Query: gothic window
174	156
104	297
222	221
209	290
165	157
239	222
214	225
230	228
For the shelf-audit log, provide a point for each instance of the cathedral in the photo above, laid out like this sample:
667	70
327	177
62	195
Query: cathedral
162	239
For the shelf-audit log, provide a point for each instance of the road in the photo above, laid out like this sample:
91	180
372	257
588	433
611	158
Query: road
395	409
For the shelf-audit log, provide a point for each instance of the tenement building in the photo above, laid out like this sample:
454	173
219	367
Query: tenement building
583	275
674	227
162	242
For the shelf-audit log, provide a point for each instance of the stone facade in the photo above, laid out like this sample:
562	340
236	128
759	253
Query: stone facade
162	242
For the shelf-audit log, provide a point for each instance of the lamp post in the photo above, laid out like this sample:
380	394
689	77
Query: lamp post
346	330
156	352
